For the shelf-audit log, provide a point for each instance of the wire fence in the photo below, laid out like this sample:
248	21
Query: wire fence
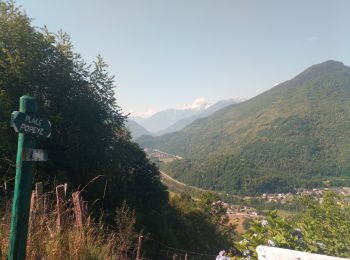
164	252
152	249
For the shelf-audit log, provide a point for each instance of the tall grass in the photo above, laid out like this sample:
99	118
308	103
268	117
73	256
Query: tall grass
93	241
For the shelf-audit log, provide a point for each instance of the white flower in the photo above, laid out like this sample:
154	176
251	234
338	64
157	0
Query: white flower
271	243
243	241
321	245
264	222
246	252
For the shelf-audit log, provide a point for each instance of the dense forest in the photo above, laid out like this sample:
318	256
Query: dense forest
294	135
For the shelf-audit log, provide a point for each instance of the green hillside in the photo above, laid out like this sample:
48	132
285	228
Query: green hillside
295	135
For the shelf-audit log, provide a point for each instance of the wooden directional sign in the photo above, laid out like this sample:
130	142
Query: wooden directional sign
34	155
30	124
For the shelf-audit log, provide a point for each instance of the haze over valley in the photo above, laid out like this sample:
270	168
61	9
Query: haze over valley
172	120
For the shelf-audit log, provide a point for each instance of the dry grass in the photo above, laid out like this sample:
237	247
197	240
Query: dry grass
168	160
93	241
238	220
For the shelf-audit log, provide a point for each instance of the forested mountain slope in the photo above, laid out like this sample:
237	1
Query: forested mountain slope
296	134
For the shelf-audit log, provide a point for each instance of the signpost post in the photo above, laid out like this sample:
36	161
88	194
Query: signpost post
29	126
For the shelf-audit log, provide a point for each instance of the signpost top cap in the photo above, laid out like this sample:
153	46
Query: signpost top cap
28	104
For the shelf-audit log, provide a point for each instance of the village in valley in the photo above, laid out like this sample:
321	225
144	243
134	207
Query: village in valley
238	214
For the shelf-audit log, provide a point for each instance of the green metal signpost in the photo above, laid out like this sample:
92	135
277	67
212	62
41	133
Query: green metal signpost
29	126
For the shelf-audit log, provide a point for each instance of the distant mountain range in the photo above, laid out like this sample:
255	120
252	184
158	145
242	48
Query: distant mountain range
163	119
297	134
136	129
181	123
172	120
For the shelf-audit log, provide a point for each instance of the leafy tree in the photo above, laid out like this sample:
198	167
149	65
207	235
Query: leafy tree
89	146
201	224
322	228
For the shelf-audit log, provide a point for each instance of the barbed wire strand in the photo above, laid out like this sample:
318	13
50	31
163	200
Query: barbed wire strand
181	250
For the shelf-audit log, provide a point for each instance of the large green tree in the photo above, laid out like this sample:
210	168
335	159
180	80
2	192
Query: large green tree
89	140
89	147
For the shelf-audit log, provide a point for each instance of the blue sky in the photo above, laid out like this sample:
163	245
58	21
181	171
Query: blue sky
166	54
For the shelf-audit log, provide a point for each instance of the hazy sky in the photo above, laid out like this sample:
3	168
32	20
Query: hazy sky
166	54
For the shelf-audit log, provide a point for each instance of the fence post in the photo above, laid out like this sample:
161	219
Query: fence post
32	211
5	188
46	203
65	188
77	209
139	248
5	200
186	256
39	197
60	197
84	210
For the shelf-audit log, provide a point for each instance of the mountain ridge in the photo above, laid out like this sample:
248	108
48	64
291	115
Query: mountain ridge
292	130
172	120
180	124
136	129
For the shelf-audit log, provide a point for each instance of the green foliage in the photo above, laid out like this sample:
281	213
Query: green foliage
90	147
89	140
327	226
294	135
272	231
323	227
200	225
